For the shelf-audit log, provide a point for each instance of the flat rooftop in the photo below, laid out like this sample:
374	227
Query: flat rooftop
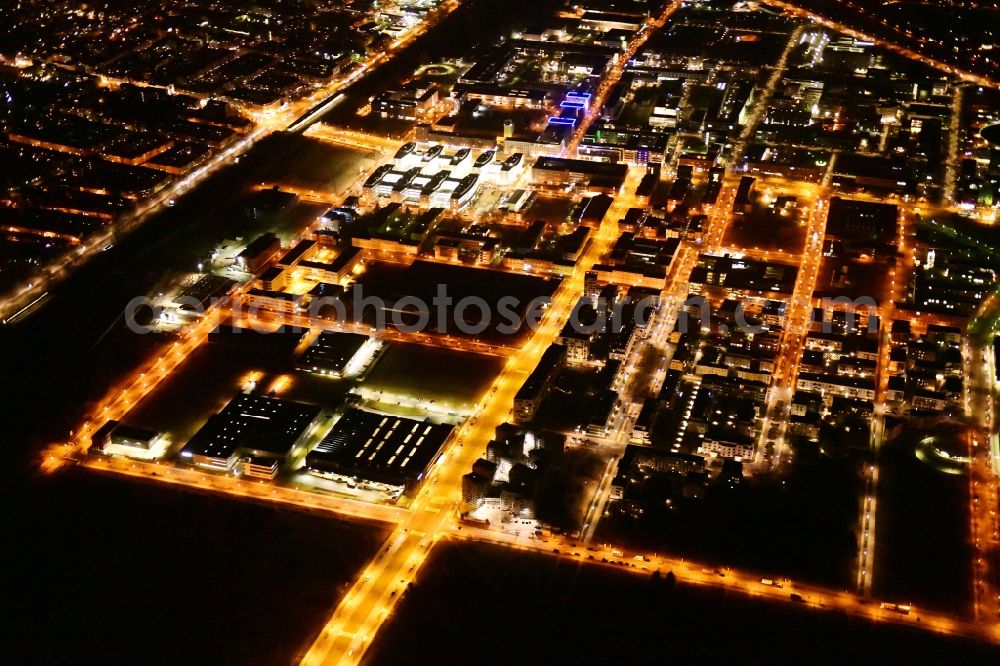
586	167
379	447
332	351
200	292
257	424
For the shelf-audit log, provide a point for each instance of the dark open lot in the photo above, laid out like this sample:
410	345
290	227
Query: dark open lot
512	301
768	229
108	570
922	550
488	605
450	379
856	279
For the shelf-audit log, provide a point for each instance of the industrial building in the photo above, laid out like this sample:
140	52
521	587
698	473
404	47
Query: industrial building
257	254
251	426
384	452
114	438
339	354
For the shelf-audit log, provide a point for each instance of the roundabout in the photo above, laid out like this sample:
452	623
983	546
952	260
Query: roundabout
945	454
991	134
436	70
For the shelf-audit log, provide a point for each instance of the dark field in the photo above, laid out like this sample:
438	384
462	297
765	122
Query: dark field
451	379
488	605
114	571
922	550
495	307
768	230
855	279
